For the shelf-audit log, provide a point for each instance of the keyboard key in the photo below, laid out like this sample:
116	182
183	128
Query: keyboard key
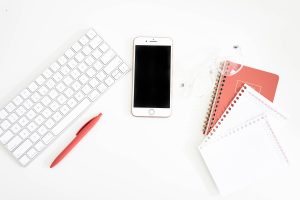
72	63
82	67
10	107
47	138
32	152
83	79
76	47
28	103
94	82
40	80
3	114
87	50
18	100
61	99
102	87
68	80
84	40
97	53
32	126
39	119
57	116
57	76
53	94
64	109
98	65
79	96
91	72
112	65
56	66
60	87
24	160
38	107
33	86
46	100
79	57
93	96
106	57
91	33
71	116
54	106
75	73
5	125
72	103
25	93
123	67
13	117
65	70
34	137
42	130
47	73
47	113
101	76
86	89
14	143
31	114
69	92
6	137
24	133
20	111
50	84
23	121
49	123
89	60
104	47
35	97
109	81
15	128
116	74
95	42
22	148
69	53
43	90
39	146
62	60
76	85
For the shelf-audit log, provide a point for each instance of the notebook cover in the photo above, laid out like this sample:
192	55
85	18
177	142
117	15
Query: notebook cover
233	77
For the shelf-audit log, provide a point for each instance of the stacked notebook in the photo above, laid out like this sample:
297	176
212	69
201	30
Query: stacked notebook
241	145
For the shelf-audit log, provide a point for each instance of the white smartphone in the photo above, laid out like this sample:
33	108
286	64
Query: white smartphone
152	77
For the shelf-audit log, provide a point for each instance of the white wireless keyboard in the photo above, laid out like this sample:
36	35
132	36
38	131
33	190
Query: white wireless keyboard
35	117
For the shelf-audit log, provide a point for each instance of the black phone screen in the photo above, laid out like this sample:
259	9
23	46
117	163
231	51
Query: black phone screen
152	77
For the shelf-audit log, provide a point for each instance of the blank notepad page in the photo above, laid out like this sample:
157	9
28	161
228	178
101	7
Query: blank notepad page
243	155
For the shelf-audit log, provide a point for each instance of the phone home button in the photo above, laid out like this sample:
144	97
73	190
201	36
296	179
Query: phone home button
151	112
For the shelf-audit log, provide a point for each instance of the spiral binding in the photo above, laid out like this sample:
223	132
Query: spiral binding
276	142
213	103
278	148
225	113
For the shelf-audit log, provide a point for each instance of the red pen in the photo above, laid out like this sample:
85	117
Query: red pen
80	134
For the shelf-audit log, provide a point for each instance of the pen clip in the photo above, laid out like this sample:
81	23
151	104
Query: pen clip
84	126
78	132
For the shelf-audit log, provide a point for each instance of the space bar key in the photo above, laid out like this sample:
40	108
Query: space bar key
71	116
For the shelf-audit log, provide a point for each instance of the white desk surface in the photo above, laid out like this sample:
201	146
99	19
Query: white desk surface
141	158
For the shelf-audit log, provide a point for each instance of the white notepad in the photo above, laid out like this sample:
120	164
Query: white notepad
244	148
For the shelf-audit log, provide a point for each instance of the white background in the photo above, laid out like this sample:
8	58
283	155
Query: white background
141	158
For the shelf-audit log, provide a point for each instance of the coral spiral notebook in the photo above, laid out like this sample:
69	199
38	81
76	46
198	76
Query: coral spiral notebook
230	80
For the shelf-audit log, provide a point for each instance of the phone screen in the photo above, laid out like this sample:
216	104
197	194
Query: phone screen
152	77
